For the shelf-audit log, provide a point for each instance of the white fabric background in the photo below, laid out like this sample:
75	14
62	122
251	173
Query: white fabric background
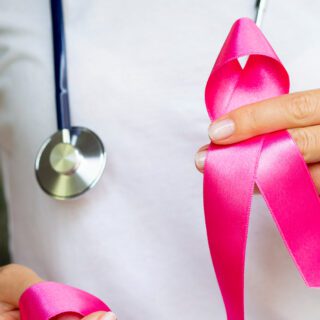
137	71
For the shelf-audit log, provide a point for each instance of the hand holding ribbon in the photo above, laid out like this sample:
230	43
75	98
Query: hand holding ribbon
272	161
25	296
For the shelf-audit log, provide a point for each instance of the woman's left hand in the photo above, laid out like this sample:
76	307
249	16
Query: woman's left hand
297	112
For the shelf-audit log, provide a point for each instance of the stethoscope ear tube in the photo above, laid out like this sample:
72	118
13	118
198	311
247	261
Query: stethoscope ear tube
73	159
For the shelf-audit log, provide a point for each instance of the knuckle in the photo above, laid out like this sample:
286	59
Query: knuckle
12	269
251	120
7	270
302	107
305	140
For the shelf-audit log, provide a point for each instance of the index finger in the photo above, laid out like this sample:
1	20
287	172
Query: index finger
288	111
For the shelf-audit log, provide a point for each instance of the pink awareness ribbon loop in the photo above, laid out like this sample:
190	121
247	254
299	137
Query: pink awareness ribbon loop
46	300
271	161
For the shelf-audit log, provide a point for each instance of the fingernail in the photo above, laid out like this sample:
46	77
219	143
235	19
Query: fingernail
109	316
221	129
200	158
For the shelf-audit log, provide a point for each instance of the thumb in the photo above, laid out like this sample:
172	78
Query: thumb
14	280
101	316
94	316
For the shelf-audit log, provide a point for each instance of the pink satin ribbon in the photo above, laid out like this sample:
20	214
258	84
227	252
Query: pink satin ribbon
272	161
46	300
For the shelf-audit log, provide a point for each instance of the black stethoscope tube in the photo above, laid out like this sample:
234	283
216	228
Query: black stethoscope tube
72	160
60	66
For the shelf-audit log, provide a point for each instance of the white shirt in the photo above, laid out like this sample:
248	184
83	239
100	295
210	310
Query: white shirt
137	72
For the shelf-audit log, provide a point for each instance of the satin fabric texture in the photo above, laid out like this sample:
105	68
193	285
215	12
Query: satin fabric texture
272	162
46	300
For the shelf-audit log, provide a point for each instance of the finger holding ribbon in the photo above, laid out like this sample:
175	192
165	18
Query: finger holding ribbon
251	112
16	281
297	112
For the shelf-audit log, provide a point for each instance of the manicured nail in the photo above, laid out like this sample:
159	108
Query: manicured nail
221	129
200	158
109	316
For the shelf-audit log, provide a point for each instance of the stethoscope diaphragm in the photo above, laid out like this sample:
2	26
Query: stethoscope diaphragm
70	162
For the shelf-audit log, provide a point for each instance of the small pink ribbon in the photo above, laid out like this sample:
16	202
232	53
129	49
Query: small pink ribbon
272	161
46	300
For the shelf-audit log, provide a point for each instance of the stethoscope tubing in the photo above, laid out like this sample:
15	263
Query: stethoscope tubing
60	66
260	11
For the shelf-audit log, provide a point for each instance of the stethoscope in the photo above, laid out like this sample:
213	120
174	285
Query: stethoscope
261	6
72	160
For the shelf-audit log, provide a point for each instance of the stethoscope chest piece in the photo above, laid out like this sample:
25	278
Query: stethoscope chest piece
70	162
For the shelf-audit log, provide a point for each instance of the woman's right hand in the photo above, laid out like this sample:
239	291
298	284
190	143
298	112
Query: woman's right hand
14	280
